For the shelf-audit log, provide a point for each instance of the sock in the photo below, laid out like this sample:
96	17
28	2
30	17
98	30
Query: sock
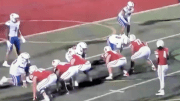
132	64
111	75
128	29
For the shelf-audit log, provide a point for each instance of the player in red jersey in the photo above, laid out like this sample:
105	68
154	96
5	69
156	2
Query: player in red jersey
72	50
139	49
113	59
43	79
162	55
61	69
79	63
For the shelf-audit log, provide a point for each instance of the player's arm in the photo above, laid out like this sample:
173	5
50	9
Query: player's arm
108	58
72	61
167	54
23	76
34	87
24	80
21	36
7	32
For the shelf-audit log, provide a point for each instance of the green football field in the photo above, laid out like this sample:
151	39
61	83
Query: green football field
148	26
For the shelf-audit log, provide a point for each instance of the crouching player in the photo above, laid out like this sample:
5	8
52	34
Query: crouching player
80	64
60	68
139	50
162	56
41	80
18	70
72	50
117	42
113	59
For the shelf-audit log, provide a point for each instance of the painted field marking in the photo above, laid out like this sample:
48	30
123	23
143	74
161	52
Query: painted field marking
125	88
47	32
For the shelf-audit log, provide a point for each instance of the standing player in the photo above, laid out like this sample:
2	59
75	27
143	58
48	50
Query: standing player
41	80
72	50
162	55
124	17
113	59
12	33
139	49
117	42
18	70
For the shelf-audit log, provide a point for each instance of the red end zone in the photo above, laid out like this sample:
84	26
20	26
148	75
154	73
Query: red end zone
77	10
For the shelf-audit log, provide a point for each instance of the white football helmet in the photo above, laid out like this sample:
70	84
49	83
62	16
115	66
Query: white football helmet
83	45
32	69
130	5
24	57
160	43
14	17
107	48
55	62
79	51
132	37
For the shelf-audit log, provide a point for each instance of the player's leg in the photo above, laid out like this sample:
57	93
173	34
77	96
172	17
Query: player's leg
161	79
46	83
85	68
122	63
122	24
6	80
9	49
109	67
147	57
135	56
73	70
128	26
17	45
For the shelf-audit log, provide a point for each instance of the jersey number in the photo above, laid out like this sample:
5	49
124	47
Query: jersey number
15	29
138	42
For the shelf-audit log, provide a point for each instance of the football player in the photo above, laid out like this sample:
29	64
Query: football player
139	49
117	42
124	17
162	55
80	63
41	80
18	70
113	59
12	33
60	68
72	50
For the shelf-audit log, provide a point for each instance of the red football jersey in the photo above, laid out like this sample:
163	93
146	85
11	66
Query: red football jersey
63	68
40	74
78	60
114	55
136	45
162	56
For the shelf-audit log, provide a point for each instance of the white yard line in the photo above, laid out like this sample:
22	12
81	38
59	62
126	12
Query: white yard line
172	100
125	88
46	32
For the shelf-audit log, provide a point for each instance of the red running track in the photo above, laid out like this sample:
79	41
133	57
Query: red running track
77	10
